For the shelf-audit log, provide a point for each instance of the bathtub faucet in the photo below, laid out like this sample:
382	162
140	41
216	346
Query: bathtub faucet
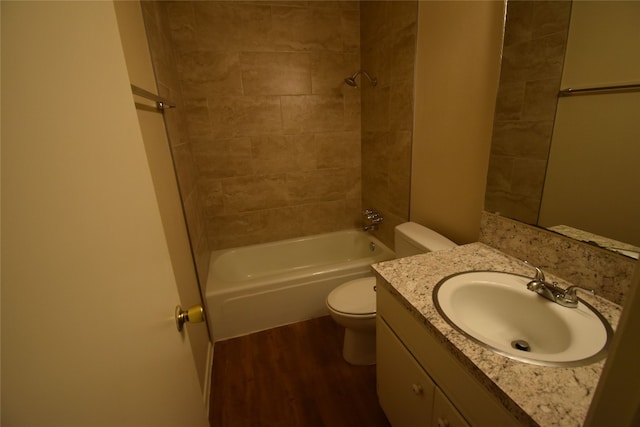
371	219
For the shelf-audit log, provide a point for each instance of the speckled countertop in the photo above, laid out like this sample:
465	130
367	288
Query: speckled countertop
535	395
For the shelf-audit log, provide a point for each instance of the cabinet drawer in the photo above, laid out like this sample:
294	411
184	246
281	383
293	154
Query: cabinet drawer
405	391
445	414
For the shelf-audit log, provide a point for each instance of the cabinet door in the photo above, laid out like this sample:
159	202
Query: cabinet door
445	414
405	391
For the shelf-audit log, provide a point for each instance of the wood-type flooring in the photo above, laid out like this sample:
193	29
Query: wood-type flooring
292	376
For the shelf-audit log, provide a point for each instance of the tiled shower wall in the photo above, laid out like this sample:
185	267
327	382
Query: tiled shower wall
388	37
274	131
534	45
164	60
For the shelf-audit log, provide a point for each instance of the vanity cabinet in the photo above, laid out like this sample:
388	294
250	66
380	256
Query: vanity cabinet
407	394
419	382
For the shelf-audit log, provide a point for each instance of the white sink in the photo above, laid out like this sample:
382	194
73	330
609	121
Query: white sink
498	311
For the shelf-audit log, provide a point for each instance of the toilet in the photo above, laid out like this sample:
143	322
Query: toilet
353	304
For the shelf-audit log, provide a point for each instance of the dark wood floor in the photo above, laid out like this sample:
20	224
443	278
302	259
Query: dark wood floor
292	376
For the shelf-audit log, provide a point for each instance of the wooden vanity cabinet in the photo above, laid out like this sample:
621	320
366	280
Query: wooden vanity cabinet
419	382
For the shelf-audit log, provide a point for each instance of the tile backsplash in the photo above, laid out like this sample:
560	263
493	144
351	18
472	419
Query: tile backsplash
582	264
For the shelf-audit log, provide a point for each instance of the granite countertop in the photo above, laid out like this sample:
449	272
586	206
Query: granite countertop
535	395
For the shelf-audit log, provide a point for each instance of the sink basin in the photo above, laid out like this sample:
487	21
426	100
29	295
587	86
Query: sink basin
498	311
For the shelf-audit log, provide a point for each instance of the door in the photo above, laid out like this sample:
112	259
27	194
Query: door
154	135
88	289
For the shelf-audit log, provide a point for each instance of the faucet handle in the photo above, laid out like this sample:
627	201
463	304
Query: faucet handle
539	277
570	293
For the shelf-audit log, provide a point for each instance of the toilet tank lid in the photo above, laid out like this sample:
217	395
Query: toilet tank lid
424	237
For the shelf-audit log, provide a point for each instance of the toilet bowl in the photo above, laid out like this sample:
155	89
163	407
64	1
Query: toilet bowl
353	306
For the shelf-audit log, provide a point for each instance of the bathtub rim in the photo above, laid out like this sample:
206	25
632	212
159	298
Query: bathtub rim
223	285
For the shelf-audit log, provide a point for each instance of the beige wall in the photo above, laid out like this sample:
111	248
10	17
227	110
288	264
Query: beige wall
458	64
275	132
592	172
534	44
388	35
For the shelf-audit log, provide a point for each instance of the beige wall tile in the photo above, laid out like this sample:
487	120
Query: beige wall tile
375	109
273	127
350	20
513	206
510	100
522	139
257	115
272	154
376	60
499	175
388	34
207	72
324	217
309	28
329	69
528	177
540	99
318	185
313	113
231	26
352	109
546	57
535	38
194	215
186	173
222	158
236	229
222	116
338	150
276	73
403	52
401	105
211	197
197	117
520	16
550	17
374	22
254	192
181	18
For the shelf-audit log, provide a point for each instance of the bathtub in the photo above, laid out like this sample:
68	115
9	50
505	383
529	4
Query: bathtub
262	286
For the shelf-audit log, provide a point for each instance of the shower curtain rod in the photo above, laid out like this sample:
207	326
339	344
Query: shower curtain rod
161	103
617	88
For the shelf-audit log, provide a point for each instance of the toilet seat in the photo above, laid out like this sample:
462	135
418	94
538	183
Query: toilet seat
355	297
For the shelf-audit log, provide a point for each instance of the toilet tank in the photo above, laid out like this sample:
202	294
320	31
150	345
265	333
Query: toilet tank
412	239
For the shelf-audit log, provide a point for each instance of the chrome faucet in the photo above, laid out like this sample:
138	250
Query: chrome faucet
372	218
553	292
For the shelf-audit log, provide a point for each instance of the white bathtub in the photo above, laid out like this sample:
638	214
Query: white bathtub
262	286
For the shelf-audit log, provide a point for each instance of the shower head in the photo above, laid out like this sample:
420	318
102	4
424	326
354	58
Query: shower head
351	81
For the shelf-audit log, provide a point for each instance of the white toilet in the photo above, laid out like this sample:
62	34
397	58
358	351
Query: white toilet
353	304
